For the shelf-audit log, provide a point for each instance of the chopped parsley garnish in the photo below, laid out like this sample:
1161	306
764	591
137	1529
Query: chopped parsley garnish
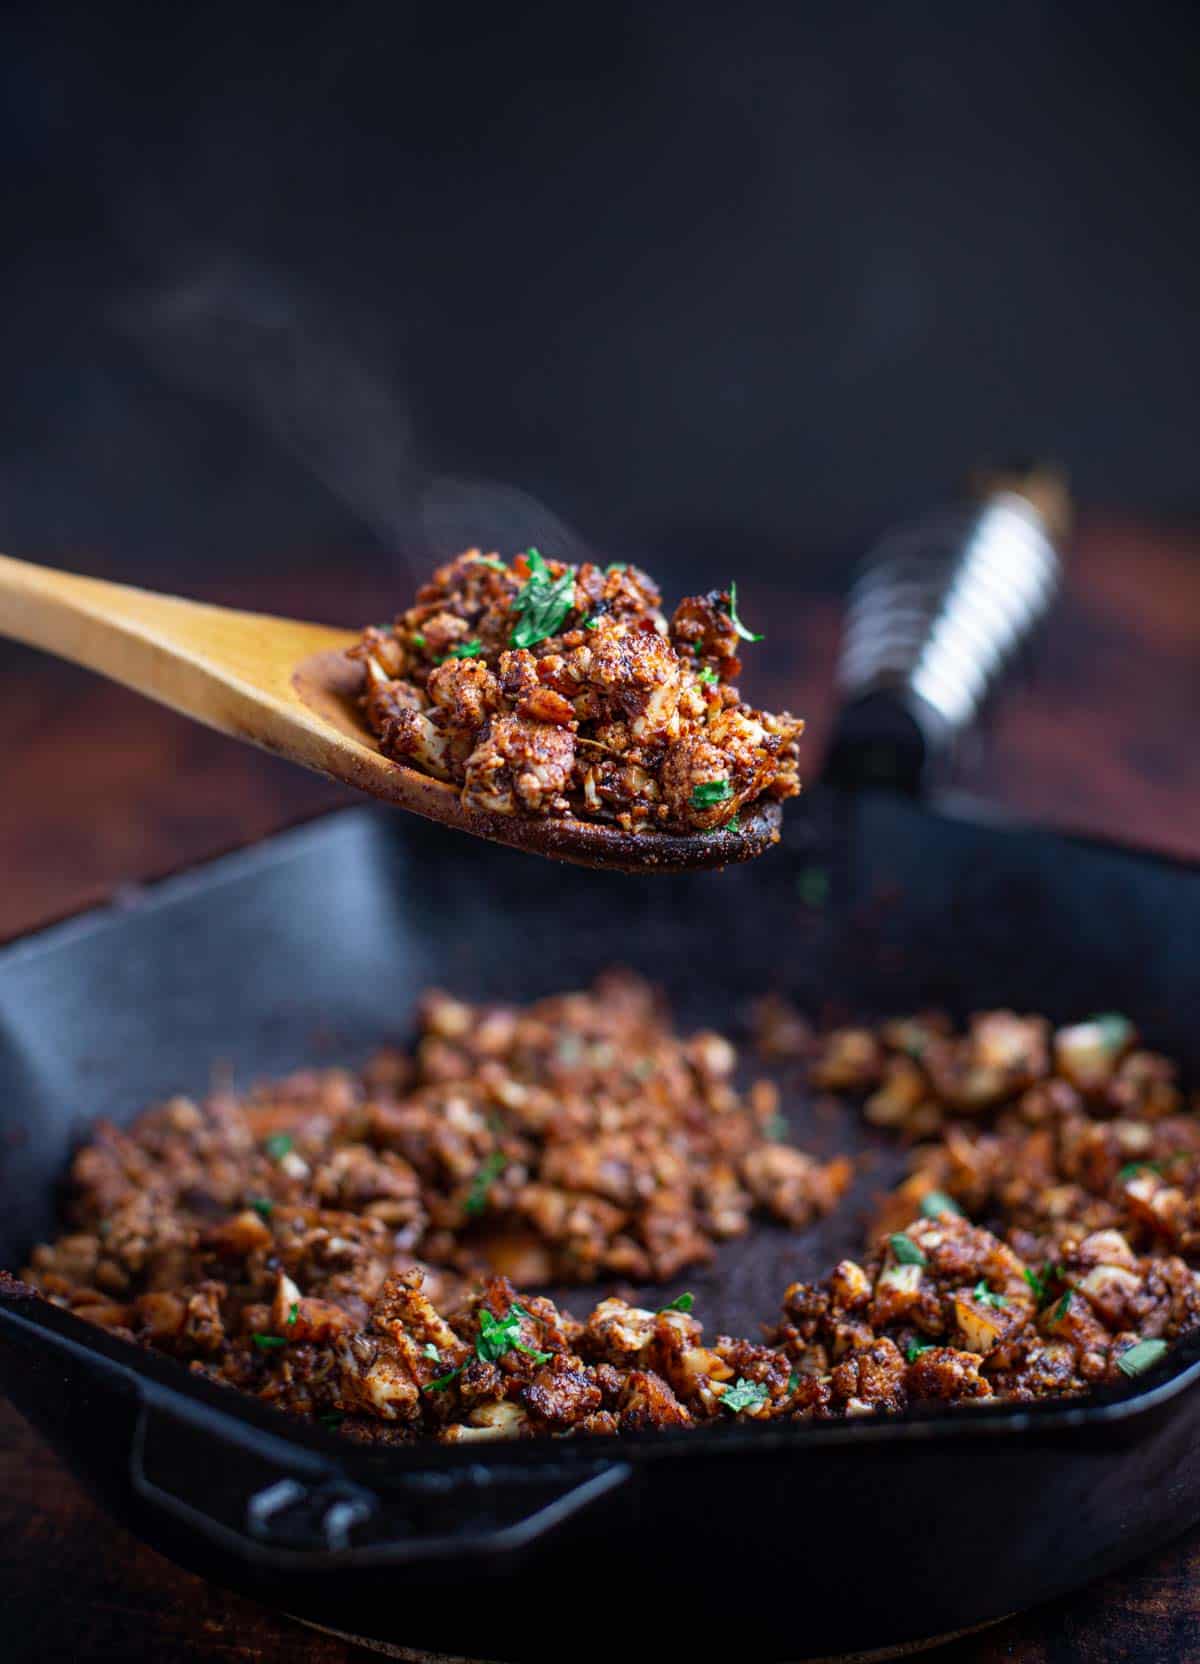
616	566
905	1249
1060	1311
443	1381
542	604
708	674
793	1381
331	1418
1036	1282
987	1296
746	1395
431	1351
498	1335
915	1347
418	640
267	1343
711	792
936	1201
464	650
293	1312
482	1182
278	1145
494	561
1132	1168
1141	1356
775	1128
591	623
263	1206
746	635
681	1303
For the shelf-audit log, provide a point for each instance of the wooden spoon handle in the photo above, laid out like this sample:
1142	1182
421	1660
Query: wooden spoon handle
230	670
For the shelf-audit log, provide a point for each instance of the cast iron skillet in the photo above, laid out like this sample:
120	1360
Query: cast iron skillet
773	1543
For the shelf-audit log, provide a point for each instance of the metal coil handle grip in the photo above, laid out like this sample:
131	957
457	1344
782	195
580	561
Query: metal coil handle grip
934	618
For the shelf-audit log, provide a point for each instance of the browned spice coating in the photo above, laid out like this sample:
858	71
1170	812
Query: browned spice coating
615	715
269	1242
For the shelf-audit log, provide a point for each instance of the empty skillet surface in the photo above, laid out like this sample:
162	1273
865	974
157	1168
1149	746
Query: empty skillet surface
314	947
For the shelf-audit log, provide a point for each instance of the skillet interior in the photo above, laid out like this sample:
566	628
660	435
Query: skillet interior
313	947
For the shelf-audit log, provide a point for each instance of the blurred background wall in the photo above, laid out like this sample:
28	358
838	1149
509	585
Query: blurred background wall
285	281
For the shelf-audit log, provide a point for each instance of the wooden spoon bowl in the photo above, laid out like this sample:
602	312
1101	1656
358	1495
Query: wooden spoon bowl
289	687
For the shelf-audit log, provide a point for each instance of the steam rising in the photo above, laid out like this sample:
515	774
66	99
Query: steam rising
231	331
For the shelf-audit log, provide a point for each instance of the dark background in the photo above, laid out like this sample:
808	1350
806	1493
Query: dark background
286	282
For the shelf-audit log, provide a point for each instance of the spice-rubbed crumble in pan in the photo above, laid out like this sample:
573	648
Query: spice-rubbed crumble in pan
548	690
1041	1245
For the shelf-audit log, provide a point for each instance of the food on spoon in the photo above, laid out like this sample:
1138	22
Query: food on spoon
1042	1244
542	689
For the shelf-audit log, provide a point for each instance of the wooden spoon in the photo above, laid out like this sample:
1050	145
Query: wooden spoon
290	688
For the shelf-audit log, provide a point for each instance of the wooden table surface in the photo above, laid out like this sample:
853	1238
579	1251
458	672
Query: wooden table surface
101	790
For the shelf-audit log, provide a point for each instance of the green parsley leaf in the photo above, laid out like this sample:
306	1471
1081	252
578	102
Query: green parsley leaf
482	1182
417	639
1141	1356
1064	1305
542	603
710	792
496	564
708	674
278	1145
915	1347
591	623
746	635
987	1297
443	1381
498	1335
464	650
905	1249
775	1128
293	1312
935	1202
1132	1168
1037	1283
682	1303
262	1206
268	1343
431	1351
746	1395
331	1418
793	1381
616	566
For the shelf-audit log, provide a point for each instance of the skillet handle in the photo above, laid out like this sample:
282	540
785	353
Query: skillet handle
936	615
267	1500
